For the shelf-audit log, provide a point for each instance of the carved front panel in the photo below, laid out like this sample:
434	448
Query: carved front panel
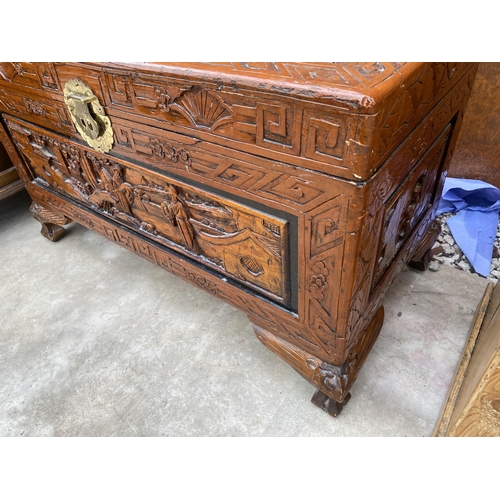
241	242
39	110
202	107
404	209
39	75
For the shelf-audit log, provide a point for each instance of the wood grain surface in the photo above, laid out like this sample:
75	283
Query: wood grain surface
473	406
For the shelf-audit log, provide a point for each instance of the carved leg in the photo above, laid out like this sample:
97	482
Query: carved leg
51	222
333	382
423	255
332	407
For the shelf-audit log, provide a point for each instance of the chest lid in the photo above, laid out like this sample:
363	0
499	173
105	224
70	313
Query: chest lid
344	119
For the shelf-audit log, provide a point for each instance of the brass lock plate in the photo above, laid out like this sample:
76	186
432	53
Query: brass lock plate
88	115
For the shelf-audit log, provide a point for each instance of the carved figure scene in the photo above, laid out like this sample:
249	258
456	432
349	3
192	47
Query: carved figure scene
178	216
246	244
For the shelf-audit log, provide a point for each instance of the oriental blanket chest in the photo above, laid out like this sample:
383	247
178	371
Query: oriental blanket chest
294	191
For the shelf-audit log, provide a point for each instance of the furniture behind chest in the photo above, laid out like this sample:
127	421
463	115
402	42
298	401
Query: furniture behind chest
10	183
295	192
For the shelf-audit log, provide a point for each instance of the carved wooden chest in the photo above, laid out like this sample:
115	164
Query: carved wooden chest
295	192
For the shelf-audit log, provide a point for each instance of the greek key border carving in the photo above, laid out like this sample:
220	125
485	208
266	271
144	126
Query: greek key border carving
266	181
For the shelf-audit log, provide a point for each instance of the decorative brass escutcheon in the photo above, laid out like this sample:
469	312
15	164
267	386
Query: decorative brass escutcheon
88	115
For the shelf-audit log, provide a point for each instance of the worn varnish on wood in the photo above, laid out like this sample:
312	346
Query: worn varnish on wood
295	192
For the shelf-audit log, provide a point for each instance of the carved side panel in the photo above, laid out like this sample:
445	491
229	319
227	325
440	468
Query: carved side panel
405	208
379	190
325	238
408	105
364	261
243	243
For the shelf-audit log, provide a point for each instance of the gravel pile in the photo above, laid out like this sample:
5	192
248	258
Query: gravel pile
449	254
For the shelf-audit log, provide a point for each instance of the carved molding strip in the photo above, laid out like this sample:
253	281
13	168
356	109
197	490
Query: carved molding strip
263	180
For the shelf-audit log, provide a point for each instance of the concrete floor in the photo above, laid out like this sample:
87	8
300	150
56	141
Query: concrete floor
95	341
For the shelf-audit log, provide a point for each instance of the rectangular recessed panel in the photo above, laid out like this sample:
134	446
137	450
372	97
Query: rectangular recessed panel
244	243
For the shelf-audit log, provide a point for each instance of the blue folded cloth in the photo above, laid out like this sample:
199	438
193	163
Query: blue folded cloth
475	224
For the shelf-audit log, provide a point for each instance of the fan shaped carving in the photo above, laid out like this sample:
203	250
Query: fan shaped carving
202	108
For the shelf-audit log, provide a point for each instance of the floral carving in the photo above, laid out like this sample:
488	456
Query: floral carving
318	281
157	148
163	100
171	154
34	107
164	150
184	156
202	282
